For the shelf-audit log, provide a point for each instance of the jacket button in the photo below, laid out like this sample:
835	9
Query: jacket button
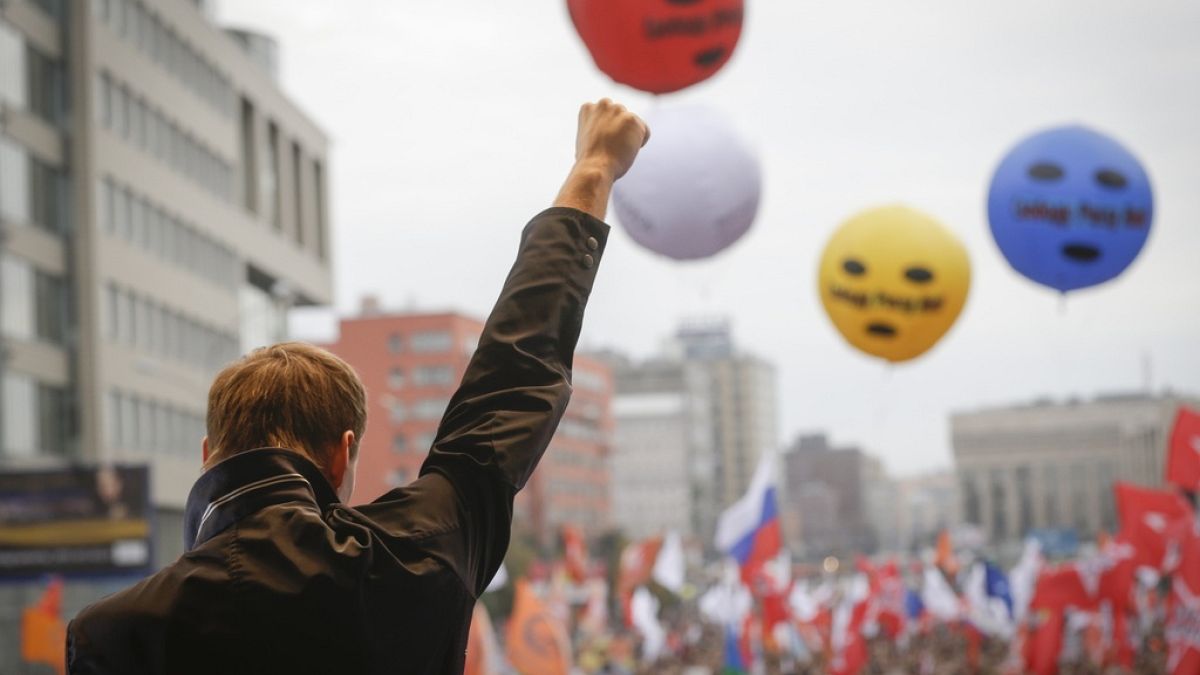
592	244
588	261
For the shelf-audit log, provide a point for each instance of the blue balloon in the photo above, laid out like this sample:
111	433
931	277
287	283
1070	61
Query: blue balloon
1070	207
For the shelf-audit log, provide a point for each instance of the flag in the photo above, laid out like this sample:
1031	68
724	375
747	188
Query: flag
728	604
575	552
43	633
848	644
939	598
749	529
644	609
1060	587
945	558
1023	577
989	600
636	564
536	639
1147	516
1183	614
1045	644
1183	454
669	565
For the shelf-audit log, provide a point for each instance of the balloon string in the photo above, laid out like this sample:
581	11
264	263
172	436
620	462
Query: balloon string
1062	304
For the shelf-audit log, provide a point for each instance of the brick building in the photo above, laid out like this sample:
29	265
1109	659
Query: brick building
411	364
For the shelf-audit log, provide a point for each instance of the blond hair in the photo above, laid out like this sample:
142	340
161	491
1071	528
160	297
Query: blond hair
291	395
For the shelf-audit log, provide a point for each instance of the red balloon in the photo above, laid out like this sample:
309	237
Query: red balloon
658	46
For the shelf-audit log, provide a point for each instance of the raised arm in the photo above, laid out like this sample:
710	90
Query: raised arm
514	392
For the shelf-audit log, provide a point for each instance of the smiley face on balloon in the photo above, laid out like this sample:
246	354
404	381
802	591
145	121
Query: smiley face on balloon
1070	208
659	46
893	280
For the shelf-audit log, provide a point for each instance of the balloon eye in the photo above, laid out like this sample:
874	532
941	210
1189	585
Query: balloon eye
918	275
1045	171
853	267
1110	179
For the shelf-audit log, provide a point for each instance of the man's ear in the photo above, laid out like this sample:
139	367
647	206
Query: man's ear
341	460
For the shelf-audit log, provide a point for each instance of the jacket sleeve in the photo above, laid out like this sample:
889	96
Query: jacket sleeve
515	389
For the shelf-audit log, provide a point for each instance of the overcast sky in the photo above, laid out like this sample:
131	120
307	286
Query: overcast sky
452	122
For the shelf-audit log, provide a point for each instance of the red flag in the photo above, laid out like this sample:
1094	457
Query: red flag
1183	614
1147	516
576	556
1060	587
636	566
1043	647
1183	455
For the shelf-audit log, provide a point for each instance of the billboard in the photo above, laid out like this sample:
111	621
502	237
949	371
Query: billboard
75	520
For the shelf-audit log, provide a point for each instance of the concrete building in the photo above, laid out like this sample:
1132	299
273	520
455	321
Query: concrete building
162	205
742	406
925	505
1052	464
691	424
837	501
411	363
662	448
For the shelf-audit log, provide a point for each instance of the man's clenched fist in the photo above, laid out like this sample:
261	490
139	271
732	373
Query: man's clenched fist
609	137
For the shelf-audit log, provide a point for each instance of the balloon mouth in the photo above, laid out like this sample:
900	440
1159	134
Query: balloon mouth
1081	253
709	57
884	330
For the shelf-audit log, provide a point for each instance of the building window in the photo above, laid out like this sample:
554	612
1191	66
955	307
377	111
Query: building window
431	341
396	378
999	506
429	408
431	376
399	443
248	164
397	411
972	510
319	212
13	88
397	478
395	343
269	178
298	193
35	418
14	183
1024	500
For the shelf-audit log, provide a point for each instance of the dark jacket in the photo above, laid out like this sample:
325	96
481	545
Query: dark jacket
281	578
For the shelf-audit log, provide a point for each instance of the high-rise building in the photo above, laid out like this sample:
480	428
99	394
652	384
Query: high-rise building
691	426
162	204
662	462
411	363
1051	465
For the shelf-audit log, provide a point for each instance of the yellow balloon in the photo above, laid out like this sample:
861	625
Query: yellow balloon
893	281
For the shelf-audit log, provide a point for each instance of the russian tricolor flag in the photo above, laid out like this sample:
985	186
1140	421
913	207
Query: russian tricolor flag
749	529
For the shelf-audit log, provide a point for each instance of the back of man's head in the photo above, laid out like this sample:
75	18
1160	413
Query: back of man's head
290	395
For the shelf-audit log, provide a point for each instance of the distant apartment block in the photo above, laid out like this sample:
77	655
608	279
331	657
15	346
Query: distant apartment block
411	363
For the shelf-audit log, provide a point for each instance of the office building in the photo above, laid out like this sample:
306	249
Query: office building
1051	465
162	205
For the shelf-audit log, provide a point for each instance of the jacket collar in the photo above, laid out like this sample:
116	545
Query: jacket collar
248	482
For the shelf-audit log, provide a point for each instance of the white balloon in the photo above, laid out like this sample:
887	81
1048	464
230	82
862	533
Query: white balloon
694	188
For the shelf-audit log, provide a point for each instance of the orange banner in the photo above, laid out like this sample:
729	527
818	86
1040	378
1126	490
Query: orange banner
537	640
